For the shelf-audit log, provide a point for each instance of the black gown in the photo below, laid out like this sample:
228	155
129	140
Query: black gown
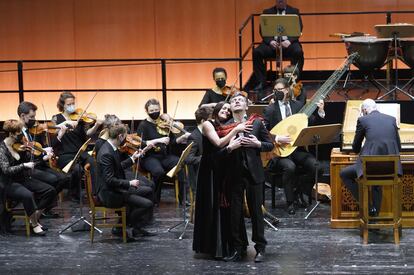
212	212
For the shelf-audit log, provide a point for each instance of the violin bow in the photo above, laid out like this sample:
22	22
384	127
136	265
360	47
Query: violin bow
172	119
140	147
234	84
294	69
87	106
47	129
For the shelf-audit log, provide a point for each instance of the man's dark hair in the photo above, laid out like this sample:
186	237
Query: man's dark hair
291	70
283	81
117	129
219	70
202	113
25	107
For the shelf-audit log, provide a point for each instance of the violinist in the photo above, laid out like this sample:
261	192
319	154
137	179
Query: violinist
291	74
69	142
217	94
43	172
15	174
159	160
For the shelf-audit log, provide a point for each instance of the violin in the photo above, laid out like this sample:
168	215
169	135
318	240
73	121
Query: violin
297	88
229	92
33	147
47	127
80	114
165	125
130	148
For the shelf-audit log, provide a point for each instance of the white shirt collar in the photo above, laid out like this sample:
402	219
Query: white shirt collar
113	146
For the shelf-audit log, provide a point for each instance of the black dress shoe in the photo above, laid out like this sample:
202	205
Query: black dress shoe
235	257
259	257
136	232
373	212
50	215
291	209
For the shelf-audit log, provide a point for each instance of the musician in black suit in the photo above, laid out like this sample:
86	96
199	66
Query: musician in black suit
196	137
246	172
273	114
291	46
381	138
116	191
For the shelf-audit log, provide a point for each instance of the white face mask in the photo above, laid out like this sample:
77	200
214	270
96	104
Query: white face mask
70	109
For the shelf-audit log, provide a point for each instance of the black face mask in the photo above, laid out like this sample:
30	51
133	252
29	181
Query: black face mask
154	115
221	83
279	95
31	123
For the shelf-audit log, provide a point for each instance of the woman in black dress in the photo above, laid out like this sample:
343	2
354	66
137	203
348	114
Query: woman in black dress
211	225
215	95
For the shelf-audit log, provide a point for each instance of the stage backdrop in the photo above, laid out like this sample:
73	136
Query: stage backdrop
92	29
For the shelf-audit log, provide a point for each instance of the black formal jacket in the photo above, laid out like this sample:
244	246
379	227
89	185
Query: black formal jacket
251	155
194	157
289	10
381	137
111	176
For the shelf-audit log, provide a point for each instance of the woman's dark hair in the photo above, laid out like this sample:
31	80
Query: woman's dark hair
216	111
151	101
61	102
219	70
202	113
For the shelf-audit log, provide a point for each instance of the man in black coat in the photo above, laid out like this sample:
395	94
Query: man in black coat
114	189
291	46
381	138
246	173
273	114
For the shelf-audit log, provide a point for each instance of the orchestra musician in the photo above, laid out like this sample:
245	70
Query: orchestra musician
247	175
291	46
212	233
116	191
69	142
159	160
43	172
291	73
273	114
16	166
215	95
381	136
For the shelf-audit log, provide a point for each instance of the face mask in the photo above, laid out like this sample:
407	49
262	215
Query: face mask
70	109
154	115
279	95
31	123
221	83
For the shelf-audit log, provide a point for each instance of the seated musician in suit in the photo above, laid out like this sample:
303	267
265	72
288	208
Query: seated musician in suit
291	46
115	190
43	172
381	138
273	114
194	157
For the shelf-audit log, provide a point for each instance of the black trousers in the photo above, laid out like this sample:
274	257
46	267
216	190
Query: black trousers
139	205
52	177
158	166
34	194
287	166
349	176
254	194
263	51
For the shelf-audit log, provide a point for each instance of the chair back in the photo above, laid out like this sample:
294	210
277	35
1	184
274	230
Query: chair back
380	169
88	185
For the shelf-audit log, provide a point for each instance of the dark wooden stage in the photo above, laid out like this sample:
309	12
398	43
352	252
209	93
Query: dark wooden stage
299	247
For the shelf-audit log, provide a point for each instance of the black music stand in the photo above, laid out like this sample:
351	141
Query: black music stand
272	25
395	31
86	224
172	173
316	135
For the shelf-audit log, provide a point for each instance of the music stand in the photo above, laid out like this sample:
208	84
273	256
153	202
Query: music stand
395	31
66	170
277	26
316	135
173	172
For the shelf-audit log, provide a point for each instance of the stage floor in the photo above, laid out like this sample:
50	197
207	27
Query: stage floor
299	247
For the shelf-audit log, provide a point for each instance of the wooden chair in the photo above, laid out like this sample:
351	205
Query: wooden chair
380	171
19	213
96	207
